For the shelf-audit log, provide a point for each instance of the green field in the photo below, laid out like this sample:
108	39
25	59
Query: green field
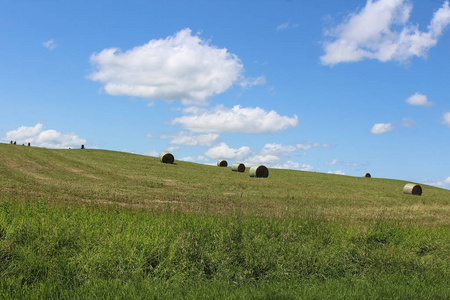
103	224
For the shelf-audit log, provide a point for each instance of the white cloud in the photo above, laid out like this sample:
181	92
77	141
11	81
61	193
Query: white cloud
173	148
419	100
50	44
180	67
153	153
237	119
444	183
223	151
48	138
407	122
381	128
338	172
310	145
332	163
446	117
293	166
249	82
277	149
189	139
271	155
287	25
381	31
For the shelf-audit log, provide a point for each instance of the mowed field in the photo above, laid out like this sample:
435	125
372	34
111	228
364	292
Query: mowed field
93	223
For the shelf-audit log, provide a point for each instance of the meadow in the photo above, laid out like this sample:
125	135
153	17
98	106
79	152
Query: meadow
85	224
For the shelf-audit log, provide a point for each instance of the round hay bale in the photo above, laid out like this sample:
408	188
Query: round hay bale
367	175
413	189
166	157
222	163
259	171
238	167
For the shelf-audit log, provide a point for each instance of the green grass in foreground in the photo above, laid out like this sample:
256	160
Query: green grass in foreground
101	224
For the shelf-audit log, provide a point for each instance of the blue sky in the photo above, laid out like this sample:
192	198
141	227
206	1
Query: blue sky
343	87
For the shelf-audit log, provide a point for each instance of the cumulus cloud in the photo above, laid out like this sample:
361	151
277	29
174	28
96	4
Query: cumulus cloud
189	139
50	44
179	67
237	119
271	155
223	151
381	128
419	100
381	31
446	118
40	138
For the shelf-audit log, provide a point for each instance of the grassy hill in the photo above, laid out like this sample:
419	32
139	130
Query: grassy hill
93	223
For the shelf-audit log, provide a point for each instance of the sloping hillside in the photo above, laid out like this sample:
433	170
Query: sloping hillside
99	177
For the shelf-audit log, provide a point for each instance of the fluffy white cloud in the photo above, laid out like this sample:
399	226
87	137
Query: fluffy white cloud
50	44
48	138
271	155
180	67
189	139
419	100
223	151
381	128
237	119
446	118
381	31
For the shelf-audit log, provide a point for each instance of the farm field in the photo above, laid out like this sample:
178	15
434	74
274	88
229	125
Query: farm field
104	224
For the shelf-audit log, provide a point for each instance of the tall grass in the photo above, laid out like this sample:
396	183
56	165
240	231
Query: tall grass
75	250
85	224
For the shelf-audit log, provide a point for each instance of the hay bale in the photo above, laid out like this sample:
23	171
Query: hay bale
259	171
413	189
367	175
166	157
238	167
222	163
